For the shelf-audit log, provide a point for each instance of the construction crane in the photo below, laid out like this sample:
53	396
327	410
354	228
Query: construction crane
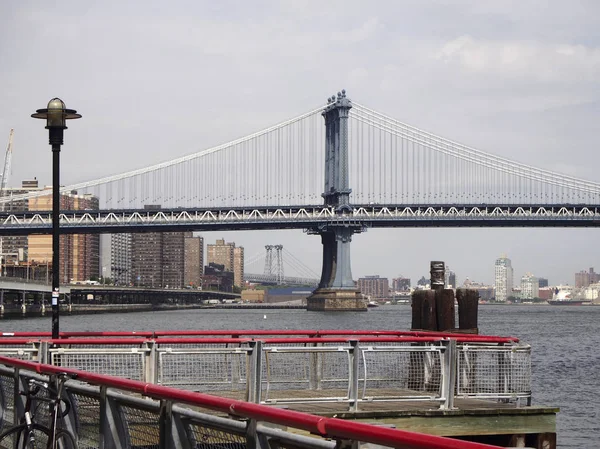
3	184
6	169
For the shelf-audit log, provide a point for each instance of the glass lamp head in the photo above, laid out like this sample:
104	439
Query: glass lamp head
56	114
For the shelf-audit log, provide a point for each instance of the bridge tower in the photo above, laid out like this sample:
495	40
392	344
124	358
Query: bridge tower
336	290
279	270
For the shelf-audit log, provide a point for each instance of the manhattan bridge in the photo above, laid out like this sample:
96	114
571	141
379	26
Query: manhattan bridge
362	170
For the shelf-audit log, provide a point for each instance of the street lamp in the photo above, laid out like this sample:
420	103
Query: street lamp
56	116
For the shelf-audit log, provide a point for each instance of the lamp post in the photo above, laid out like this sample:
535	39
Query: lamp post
56	116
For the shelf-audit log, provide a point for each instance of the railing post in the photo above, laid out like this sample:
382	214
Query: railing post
353	374
254	382
112	431
43	352
449	374
252	441
151	363
19	401
172	433
315	369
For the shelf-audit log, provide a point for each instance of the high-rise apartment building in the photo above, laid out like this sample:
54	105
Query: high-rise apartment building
449	278
146	259
374	286
193	261
13	249
166	259
238	266
228	255
173	258
530	287
79	253
503	278
120	270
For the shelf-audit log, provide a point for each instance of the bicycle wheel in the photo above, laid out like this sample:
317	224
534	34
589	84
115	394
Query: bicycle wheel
19	437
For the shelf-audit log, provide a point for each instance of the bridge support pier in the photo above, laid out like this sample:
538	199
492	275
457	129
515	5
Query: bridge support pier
336	290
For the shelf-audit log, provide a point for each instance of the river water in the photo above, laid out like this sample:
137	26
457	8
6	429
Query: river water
565	344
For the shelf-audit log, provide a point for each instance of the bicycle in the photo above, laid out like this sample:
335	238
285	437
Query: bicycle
29	434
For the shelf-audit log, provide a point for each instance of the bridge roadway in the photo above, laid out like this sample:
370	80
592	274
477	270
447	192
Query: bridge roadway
79	293
303	217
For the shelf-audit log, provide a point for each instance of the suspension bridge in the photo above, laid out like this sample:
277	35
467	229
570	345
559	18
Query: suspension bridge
402	176
275	268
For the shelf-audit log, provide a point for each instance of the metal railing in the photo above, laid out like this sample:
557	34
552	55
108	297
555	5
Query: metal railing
114	413
349	370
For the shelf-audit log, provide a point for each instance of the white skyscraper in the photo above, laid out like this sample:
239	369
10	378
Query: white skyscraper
530	287
503	279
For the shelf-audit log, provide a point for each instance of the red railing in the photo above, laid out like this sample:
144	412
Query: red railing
333	428
234	333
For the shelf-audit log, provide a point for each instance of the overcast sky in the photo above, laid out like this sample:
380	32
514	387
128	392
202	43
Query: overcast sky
156	80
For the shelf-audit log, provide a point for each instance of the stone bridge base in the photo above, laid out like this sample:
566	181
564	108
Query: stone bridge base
330	299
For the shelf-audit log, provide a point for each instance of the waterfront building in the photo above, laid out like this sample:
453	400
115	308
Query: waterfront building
173	258
401	284
13	249
165	259
585	278
592	293
228	255
79	253
217	278
120	268
105	249
146	259
486	292
529	287
543	282
545	293
238	266
193	261
449	278
374	287
503	278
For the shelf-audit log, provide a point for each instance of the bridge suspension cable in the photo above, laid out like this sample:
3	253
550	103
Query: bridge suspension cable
414	165
275	164
390	162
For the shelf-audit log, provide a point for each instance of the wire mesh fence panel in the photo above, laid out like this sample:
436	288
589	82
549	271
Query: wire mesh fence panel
304	374
7	402
520	363
204	371
127	364
203	437
142	427
287	370
25	352
494	371
88	420
333	369
405	371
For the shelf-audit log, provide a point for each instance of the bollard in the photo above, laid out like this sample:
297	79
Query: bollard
444	306
468	303
428	313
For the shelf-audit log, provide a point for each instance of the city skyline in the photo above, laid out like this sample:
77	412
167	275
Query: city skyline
517	80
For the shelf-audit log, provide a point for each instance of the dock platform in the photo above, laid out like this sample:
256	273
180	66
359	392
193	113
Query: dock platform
464	386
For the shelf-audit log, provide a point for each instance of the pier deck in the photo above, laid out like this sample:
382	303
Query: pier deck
478	419
470	387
